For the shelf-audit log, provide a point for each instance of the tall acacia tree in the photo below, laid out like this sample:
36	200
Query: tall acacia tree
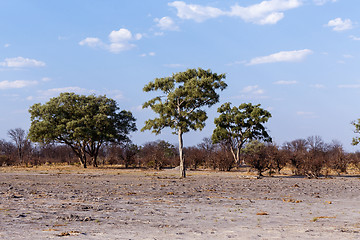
180	106
82	122
238	125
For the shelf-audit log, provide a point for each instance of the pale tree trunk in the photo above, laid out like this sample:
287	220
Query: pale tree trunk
241	160
83	157
236	154
182	160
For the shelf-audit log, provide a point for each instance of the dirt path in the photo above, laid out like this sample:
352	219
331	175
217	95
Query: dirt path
157	205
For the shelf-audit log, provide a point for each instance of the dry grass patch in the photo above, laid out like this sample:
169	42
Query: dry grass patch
321	217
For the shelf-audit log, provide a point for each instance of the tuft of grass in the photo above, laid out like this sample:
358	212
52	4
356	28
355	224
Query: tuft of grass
291	200
317	218
50	230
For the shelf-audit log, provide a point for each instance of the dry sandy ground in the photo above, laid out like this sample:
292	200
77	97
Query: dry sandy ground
122	204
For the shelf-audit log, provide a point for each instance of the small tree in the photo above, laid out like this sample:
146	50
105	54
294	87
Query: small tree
276	157
195	156
296	152
257	157
180	106
7	152
19	137
315	157
128	154
157	154
82	122
223	158
338	160
239	125
209	148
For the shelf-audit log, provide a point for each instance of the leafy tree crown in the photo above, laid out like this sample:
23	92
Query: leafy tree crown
71	118
183	96
238	125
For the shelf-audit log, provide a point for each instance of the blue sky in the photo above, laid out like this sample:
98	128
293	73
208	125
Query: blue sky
297	58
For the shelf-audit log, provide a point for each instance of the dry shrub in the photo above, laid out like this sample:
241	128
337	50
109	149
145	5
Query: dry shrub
223	158
195	157
277	158
256	156
158	154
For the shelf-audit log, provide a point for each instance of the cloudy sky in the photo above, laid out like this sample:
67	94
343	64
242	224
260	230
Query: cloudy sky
298	58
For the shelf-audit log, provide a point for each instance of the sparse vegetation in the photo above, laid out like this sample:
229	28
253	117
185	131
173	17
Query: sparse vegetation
72	127
296	157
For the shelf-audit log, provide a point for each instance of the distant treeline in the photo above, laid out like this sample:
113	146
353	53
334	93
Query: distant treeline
310	157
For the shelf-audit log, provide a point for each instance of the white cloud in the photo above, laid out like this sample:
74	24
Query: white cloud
348	56
236	63
115	94
197	13
63	38
284	56
158	34
151	54
53	92
252	92
7	45
166	23
56	91
91	42
46	79
265	12
355	38
322	2
120	47
122	35
120	40
285	82
16	84
340	25
21	62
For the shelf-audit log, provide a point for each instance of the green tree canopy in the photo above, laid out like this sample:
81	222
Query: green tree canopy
238	125
82	122
180	105
356	140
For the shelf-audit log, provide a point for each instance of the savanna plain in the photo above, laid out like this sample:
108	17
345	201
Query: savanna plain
111	203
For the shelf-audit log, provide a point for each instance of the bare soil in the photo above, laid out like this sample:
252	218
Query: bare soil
73	203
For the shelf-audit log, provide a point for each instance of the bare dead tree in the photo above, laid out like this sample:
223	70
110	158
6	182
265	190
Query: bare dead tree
18	136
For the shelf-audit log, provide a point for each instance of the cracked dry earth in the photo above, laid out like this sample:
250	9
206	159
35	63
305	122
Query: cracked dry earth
157	205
